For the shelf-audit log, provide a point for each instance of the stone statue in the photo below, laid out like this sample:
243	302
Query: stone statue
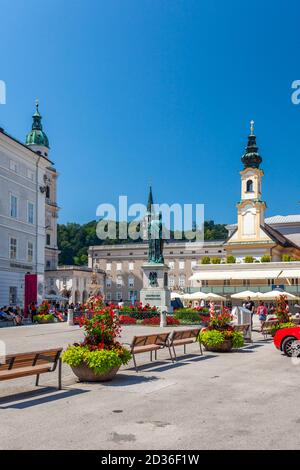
155	240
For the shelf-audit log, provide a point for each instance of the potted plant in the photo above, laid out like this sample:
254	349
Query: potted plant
219	335
43	314
283	317
99	356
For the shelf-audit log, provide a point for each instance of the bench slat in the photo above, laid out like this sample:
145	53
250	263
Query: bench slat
14	374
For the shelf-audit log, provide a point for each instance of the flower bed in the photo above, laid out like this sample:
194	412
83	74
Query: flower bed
126	320
155	321
191	315
138	311
100	355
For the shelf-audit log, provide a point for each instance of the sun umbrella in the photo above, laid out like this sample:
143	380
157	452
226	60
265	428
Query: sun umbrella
212	296
176	295
245	294
198	296
274	294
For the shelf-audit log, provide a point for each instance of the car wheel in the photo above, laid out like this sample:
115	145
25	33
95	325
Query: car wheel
291	347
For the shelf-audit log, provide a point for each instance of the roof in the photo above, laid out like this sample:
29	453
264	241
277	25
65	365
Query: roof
23	145
283	219
278	237
275	219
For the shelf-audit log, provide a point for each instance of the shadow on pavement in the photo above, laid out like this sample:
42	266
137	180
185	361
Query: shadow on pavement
122	380
34	398
161	366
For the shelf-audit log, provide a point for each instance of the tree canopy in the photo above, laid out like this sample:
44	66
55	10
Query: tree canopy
74	239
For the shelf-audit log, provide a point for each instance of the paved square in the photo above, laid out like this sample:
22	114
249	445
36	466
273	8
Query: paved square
247	399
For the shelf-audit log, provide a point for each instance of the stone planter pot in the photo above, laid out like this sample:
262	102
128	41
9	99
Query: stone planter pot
85	374
226	346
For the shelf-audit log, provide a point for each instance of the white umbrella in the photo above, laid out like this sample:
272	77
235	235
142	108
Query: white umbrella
58	298
198	296
274	294
176	295
245	294
212	296
187	297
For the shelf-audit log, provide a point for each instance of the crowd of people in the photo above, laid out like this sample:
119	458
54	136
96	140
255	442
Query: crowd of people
12	314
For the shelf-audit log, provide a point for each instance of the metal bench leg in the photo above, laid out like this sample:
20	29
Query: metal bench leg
184	349
155	354
170	354
134	361
175	358
59	374
37	380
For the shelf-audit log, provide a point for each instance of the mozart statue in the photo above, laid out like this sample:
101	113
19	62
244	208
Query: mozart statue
155	240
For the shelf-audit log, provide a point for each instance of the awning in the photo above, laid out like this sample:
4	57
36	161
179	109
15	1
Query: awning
290	273
236	274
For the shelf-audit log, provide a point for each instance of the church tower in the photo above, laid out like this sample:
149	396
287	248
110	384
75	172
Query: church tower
251	208
38	141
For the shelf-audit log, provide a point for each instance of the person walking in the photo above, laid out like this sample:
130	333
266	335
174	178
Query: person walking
262	313
249	305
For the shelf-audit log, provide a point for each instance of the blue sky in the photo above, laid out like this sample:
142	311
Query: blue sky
133	91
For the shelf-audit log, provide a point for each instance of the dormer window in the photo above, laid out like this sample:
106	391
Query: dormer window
249	186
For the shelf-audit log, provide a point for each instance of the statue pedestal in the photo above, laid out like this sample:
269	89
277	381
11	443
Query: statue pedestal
155	290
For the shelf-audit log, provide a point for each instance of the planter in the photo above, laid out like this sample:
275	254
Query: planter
85	374
226	346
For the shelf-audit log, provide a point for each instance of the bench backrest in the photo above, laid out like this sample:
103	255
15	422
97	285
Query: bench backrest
242	328
157	339
16	361
269	323
185	334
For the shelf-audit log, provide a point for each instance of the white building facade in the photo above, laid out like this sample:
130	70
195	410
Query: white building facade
22	218
26	173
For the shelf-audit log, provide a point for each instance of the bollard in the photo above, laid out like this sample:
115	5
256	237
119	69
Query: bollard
163	319
70	316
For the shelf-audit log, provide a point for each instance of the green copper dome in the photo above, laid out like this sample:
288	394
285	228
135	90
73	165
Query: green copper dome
37	136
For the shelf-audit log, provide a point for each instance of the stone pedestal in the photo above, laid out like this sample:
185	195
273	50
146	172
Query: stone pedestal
155	290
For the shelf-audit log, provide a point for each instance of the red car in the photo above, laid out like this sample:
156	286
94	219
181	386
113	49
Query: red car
288	341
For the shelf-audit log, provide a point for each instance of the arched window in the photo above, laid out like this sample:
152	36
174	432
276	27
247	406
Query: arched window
249	187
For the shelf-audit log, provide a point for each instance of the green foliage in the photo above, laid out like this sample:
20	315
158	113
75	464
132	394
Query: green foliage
216	260
48	318
230	259
286	257
215	338
205	260
280	326
212	337
249	259
265	259
214	231
237	339
187	317
100	361
74	239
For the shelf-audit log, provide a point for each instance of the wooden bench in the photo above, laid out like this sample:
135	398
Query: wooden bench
149	343
267	327
182	338
243	328
31	363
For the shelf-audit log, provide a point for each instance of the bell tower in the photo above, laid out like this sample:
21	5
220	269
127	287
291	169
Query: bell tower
251	208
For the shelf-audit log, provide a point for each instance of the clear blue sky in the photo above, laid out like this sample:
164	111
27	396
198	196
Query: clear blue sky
133	91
